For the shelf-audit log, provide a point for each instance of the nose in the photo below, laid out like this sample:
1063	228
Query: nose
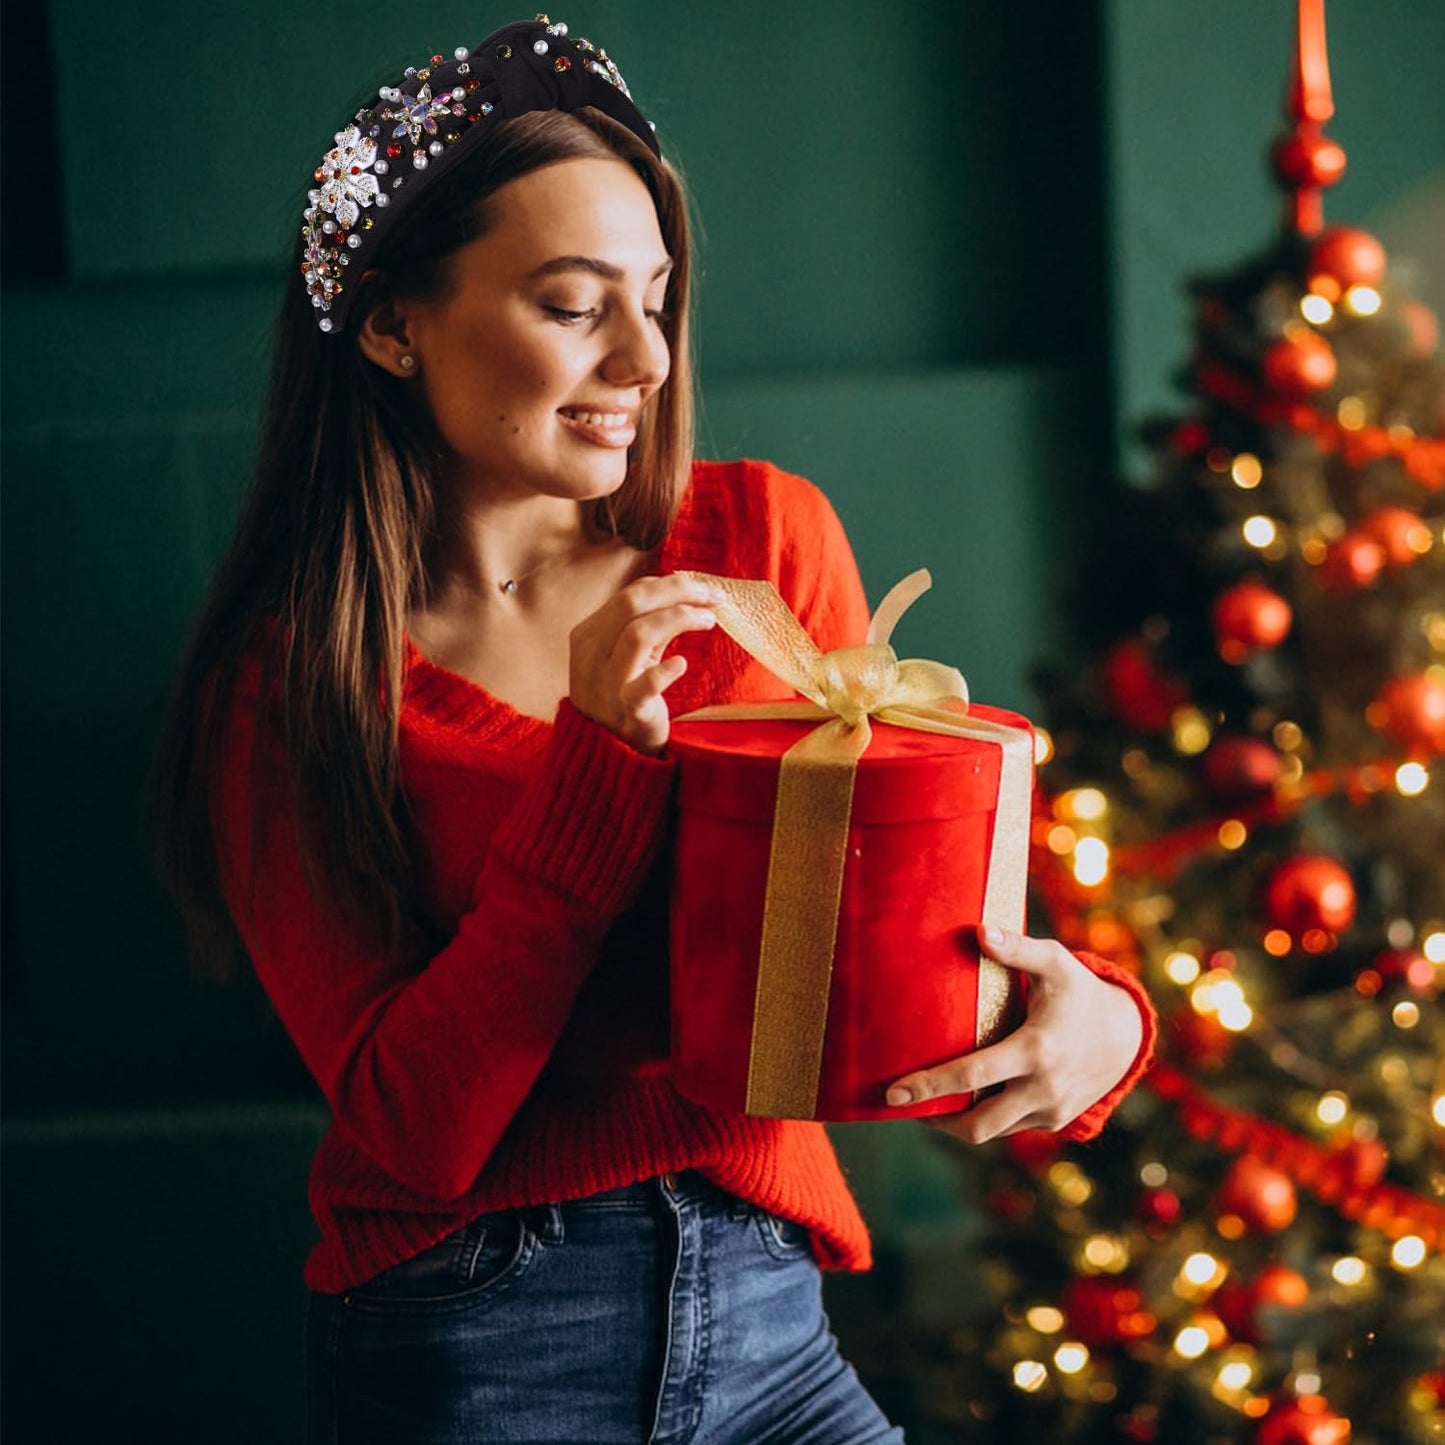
639	354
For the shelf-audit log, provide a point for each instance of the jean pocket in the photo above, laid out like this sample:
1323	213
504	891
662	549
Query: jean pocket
475	1264
784	1239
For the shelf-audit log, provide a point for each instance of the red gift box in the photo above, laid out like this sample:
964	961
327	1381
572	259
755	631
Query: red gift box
903	990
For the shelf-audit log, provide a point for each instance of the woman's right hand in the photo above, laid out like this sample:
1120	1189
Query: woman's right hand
618	672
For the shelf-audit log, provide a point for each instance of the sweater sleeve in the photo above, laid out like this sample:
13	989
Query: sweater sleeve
424	1060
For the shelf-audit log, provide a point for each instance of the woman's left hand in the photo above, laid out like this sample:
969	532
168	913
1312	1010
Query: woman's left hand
1079	1038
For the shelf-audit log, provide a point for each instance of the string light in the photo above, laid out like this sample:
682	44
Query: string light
1045	1319
1215	991
1182	967
1191	730
1437	1109
1411	779
1259	531
1316	310
1236	1374
1405	1014
1105	1254
1351	413
1232	834
1201	1271
1433	946
1154	1174
1029	1375
1043	747
1086	804
1287	735
1070	1183
1191	1342
1071	1357
1333	1107
1246	471
1362	300
1349	1270
1408	1253
1091	861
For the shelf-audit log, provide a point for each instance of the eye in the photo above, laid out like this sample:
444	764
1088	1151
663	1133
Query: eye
564	317
661	317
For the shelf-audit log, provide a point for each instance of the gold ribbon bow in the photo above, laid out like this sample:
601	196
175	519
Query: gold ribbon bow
845	689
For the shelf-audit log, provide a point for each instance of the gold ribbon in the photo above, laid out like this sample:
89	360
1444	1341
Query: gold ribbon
845	689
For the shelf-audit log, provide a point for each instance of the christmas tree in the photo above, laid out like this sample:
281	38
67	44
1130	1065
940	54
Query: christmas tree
1243	796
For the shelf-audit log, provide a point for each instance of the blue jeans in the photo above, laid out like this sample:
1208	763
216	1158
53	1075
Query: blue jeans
666	1311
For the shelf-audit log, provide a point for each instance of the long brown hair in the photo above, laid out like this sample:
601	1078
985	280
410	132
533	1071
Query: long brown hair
328	555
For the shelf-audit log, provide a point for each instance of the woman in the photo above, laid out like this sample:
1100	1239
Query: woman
421	779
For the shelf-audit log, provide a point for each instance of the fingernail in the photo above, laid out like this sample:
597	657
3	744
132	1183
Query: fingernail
993	936
899	1095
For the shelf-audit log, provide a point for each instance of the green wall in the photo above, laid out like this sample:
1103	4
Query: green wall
920	226
1194	97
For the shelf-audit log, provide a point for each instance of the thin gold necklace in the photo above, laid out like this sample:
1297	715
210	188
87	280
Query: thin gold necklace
508	587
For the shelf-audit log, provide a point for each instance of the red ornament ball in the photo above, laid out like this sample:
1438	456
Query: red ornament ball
1139	693
1250	617
1300	365
1307	1420
1349	256
1310	892
1261	1195
1238	768
1422	325
1275	1287
1408	964
1197	1039
1308	160
1105	1310
1352	562
1398	532
1411	709
1159	1207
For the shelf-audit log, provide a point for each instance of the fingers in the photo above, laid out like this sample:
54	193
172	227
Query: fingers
1043	957
618	672
1008	1059
1005	1113
652	683
641	642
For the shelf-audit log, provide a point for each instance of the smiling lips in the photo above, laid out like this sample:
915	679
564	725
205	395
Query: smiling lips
601	428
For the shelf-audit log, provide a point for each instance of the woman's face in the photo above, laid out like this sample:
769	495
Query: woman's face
538	360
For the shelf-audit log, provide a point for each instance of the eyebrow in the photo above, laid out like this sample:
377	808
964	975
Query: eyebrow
594	265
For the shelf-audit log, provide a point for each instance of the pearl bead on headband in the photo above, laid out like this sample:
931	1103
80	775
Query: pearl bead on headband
413	133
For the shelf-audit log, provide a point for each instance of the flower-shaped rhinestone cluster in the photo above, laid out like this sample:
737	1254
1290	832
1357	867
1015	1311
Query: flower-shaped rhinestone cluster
413	124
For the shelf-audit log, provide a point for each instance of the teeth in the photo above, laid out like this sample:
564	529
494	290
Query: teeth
598	418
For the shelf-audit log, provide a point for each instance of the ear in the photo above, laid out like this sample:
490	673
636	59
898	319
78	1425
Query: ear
383	334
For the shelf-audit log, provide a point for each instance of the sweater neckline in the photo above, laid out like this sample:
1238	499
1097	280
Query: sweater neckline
460	704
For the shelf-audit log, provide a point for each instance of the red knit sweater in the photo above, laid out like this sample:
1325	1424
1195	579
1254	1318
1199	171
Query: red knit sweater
526	1060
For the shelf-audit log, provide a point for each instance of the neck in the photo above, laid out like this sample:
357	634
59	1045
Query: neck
490	550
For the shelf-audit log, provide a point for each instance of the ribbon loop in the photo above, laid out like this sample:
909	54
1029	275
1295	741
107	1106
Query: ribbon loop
857	681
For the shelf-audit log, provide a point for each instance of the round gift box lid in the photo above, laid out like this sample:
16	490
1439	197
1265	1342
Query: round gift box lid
730	769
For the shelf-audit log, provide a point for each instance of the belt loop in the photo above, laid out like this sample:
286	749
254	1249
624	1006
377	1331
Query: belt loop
547	1223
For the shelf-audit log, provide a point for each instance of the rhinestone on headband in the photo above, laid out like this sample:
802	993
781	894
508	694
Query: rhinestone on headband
420	124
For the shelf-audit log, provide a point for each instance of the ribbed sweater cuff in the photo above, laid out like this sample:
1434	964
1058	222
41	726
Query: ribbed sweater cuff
590	822
1093	1119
